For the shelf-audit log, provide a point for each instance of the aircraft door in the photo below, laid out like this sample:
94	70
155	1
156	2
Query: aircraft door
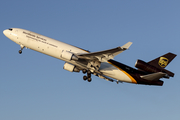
16	32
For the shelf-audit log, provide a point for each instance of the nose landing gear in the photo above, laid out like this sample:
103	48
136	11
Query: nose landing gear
22	47
20	51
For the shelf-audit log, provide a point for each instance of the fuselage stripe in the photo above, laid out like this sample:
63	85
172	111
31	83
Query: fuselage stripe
132	79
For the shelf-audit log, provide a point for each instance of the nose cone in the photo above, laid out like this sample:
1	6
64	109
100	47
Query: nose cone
5	32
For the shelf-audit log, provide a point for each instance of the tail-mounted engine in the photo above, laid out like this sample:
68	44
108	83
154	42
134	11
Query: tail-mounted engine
70	67
150	68
68	55
146	67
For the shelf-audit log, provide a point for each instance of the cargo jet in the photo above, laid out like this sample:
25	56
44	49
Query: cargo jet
101	64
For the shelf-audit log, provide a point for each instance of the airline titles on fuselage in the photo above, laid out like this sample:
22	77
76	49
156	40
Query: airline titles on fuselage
37	38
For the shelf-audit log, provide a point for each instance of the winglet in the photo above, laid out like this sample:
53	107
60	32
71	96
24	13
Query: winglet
123	48
127	45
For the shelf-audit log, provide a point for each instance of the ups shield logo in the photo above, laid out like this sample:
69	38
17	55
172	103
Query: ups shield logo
163	62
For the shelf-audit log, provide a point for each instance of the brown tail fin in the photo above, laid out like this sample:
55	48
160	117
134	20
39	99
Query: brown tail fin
163	61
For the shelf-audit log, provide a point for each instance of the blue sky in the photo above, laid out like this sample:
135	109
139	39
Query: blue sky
34	86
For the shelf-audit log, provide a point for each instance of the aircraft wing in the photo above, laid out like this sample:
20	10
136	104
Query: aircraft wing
106	54
153	76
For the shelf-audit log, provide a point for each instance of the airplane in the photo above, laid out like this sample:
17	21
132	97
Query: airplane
101	64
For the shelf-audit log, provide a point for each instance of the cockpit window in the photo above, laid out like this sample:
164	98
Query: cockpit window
10	29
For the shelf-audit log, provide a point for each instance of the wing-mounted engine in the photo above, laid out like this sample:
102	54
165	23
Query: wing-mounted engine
70	67
151	69
68	55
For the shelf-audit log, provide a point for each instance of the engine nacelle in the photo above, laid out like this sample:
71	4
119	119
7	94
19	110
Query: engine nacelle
70	67
68	55
146	67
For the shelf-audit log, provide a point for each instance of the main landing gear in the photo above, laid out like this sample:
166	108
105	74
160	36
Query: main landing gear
88	77
20	51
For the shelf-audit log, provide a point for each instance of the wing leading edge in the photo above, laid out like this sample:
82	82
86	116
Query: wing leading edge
105	55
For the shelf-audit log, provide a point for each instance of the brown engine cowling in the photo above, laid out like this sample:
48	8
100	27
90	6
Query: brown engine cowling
151	69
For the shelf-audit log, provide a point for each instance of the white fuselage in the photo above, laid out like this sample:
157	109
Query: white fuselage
55	49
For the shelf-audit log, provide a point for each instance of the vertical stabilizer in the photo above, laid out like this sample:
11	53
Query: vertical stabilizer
163	61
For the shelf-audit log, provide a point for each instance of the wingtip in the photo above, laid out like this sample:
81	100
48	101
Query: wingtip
127	45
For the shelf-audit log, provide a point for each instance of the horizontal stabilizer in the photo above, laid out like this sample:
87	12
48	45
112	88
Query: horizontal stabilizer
154	76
